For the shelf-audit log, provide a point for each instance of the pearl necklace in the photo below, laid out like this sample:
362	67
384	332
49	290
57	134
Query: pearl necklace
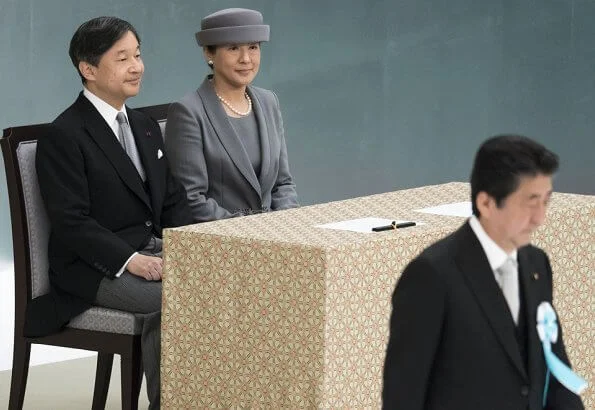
228	105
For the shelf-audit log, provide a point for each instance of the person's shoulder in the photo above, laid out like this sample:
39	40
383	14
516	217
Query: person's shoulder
442	249
261	91
264	95
191	102
432	257
439	257
534	250
66	130
535	253
428	268
71	115
144	120
191	97
68	123
139	115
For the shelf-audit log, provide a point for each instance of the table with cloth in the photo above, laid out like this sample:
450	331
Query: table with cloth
269	311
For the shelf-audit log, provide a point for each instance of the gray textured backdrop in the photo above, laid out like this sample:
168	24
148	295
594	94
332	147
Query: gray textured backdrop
376	95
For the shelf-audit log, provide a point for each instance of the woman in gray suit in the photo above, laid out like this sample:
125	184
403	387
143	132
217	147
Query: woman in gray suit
225	141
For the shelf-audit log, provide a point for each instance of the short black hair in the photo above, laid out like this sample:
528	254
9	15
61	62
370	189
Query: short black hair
503	160
94	37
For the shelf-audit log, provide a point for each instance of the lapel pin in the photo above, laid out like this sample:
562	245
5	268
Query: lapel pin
148	133
535	276
159	154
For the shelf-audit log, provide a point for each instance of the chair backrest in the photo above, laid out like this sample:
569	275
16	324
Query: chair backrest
30	223
159	114
30	226
37	221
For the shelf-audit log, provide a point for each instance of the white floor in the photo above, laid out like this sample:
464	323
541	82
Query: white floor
39	354
67	385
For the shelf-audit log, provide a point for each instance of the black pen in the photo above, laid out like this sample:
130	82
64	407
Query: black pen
393	225
404	225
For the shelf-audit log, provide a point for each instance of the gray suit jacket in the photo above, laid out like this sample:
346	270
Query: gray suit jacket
207	156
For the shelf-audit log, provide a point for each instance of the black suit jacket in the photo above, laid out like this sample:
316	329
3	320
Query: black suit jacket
452	342
100	210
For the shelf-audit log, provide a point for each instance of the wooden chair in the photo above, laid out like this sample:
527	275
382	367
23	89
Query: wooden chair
106	331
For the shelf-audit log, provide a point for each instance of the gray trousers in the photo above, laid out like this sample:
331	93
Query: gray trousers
134	294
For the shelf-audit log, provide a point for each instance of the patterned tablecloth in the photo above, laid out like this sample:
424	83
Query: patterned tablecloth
269	311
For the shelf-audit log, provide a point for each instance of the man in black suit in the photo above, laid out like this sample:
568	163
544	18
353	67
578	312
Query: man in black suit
108	190
463	326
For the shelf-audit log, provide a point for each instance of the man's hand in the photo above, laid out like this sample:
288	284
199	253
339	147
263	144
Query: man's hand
148	267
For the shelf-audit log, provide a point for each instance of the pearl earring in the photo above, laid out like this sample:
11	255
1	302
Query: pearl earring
210	63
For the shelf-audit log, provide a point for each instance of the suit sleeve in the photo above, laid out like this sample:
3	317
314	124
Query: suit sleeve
175	210
283	195
415	330
64	188
184	146
559	397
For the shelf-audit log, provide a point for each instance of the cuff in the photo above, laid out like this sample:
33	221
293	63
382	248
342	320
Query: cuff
123	268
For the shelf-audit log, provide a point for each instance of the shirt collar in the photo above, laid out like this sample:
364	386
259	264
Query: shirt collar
495	254
107	111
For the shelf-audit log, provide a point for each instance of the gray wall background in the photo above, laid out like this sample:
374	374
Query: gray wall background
376	95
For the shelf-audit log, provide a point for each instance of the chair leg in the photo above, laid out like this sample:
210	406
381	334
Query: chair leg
103	374
130	379
20	371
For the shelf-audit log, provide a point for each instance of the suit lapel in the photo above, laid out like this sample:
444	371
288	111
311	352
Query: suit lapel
227	134
530	288
476	269
265	145
103	135
147	150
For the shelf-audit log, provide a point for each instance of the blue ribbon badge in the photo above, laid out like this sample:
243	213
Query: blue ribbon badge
547	328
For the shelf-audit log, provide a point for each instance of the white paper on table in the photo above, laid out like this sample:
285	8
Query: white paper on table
462	209
363	225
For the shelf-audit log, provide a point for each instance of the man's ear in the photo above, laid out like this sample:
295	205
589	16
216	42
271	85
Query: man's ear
87	70
485	203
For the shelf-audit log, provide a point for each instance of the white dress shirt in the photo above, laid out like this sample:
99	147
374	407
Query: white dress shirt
107	111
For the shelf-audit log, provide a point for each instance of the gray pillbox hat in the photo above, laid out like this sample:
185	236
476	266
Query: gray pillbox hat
232	26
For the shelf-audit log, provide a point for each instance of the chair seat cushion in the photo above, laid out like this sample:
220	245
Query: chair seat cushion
107	320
